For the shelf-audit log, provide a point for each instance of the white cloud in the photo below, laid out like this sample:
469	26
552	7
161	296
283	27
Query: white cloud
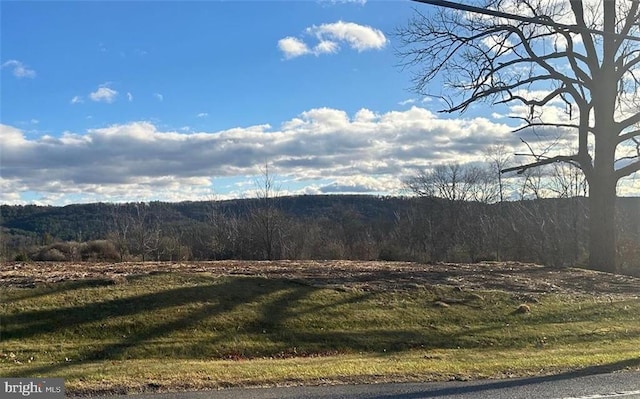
292	47
331	36
129	96
359	37
407	101
365	115
76	100
363	152
19	69
104	94
326	47
202	115
158	96
497	44
11	136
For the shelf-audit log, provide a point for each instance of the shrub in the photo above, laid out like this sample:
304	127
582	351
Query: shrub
57	252
99	250
49	254
22	257
394	252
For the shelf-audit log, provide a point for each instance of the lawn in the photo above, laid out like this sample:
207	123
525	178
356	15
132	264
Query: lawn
178	330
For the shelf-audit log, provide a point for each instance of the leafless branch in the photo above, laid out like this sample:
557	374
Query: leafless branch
629	136
628	169
572	159
544	124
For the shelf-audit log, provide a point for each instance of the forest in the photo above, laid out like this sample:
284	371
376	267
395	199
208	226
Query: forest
428	228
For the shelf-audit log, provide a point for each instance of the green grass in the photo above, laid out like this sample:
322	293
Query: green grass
193	330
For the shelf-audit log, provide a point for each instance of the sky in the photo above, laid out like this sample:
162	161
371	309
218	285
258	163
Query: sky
172	101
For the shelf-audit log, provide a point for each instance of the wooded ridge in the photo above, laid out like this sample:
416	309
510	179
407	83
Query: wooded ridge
428	229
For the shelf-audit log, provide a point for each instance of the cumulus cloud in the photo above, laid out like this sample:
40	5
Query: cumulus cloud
104	94
76	100
202	115
358	37
158	96
19	69
129	96
331	36
363	152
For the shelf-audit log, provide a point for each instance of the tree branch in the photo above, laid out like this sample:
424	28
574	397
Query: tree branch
572	159
628	170
629	65
543	124
537	103
632	120
628	136
587	39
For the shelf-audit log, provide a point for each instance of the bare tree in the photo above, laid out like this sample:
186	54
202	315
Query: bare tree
455	183
121	231
223	234
567	181
462	187
450	181
499	158
538	53
145	230
266	218
532	184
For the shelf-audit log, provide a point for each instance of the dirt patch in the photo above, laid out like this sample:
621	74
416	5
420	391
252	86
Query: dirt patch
521	278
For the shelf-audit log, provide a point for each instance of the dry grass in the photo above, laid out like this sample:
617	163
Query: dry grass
229	324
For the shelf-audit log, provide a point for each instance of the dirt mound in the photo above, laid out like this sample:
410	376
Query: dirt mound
522	278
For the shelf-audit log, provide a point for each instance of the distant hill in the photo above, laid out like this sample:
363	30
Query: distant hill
83	222
546	231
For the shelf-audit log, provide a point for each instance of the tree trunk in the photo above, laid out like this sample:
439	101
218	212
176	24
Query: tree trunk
602	185
602	224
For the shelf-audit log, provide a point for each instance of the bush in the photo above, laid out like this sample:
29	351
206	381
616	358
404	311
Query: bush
99	250
49	254
58	252
394	252
22	257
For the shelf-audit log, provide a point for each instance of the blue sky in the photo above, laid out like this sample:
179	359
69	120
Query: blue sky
219	58
155	100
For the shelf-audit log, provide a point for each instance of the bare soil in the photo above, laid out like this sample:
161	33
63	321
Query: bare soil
520	278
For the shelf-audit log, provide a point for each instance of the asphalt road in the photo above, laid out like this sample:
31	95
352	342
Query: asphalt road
623	385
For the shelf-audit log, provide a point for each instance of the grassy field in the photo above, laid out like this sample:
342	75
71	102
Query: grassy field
197	330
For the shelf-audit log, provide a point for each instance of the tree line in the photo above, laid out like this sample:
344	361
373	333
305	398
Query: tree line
458	214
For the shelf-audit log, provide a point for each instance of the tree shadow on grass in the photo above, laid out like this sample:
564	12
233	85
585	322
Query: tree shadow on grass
215	298
275	303
45	289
